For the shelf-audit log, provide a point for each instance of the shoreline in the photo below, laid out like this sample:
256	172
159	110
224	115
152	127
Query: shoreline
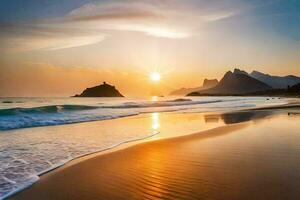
104	174
125	145
77	160
116	147
226	129
132	143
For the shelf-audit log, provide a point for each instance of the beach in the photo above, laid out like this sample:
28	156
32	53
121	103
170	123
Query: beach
149	99
41	134
252	154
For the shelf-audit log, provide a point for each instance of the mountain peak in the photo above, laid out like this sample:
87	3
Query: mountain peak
229	73
257	73
238	71
237	82
207	83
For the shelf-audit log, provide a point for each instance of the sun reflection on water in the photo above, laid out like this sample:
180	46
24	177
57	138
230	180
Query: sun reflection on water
155	121
154	98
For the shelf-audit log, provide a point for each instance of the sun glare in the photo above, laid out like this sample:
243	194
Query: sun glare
155	76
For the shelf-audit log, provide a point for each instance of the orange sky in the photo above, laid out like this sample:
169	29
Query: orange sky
122	42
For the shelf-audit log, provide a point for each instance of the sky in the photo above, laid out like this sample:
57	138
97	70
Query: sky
60	47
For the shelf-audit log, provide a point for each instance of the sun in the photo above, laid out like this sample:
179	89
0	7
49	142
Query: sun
155	76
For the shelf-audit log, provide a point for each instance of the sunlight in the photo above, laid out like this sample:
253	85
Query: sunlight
155	76
154	98
165	32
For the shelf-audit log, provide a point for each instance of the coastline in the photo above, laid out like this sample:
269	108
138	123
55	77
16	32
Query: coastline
134	121
79	159
120	148
149	100
91	157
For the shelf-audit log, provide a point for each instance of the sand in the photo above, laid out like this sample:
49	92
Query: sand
250	160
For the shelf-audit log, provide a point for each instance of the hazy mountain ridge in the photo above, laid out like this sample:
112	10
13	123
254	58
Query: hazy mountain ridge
277	82
293	91
237	82
295	87
207	83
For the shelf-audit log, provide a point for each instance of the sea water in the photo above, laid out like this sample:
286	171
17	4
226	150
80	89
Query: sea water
34	137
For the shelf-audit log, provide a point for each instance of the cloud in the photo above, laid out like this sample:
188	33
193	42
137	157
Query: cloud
52	43
138	16
114	11
28	37
220	16
93	22
168	19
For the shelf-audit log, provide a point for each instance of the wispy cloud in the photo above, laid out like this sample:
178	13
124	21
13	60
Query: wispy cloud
219	16
90	24
25	37
114	11
53	43
139	16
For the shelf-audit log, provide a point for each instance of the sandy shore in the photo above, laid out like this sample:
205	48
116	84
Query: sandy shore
254	160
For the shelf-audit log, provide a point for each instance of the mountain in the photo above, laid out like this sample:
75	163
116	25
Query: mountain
293	91
277	82
238	71
295	88
207	83
103	90
235	83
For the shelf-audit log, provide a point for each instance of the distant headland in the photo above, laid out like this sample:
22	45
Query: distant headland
241	83
102	90
207	83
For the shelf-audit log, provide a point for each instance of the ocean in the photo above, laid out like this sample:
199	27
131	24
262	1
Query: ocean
40	134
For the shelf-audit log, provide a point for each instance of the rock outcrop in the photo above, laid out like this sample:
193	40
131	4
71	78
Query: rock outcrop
103	90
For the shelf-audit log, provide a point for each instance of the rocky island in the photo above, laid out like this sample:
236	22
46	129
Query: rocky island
103	90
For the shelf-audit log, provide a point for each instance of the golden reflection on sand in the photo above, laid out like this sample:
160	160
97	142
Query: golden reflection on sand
255	160
155	121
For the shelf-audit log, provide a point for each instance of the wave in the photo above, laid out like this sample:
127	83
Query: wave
147	104
68	108
44	109
15	118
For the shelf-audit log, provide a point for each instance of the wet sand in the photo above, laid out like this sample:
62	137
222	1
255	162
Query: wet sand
252	160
